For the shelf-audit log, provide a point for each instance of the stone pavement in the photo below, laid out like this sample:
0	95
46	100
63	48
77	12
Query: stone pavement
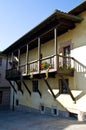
26	121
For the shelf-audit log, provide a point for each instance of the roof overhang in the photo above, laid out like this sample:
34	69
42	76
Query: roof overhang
79	9
63	22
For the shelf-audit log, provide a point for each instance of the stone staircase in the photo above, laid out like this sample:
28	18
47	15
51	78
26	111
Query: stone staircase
78	107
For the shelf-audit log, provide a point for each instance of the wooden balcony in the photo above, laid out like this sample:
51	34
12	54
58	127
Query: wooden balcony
39	66
51	64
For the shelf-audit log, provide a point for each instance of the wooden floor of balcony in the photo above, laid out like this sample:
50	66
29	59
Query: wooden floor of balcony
46	67
16	75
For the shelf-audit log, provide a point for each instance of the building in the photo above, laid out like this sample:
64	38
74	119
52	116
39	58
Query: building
4	85
48	66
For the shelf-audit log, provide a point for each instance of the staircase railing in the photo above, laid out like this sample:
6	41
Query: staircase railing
79	67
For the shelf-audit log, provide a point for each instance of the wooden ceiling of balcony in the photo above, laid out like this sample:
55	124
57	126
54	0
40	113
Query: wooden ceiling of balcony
62	21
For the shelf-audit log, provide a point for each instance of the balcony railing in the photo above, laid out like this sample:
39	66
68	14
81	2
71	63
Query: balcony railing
33	67
61	64
65	65
48	63
37	66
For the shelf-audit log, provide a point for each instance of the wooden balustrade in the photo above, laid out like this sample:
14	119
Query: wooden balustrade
61	65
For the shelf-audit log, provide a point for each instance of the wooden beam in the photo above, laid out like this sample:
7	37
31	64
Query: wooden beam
55	41
7	62
18	58
55	47
39	93
19	86
69	91
27	88
27	53
49	88
12	86
39	53
12	57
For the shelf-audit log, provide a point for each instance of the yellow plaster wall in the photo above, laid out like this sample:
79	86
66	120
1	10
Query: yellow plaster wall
47	49
78	37
23	58
35	100
33	54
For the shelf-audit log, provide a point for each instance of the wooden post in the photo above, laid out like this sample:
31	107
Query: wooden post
7	62
50	88
55	48
26	87
55	41
12	59
18	59
39	53
27	60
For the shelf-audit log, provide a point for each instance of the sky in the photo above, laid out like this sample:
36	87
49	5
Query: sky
17	17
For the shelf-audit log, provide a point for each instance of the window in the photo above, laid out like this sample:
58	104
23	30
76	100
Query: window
35	85
0	97
54	110
62	87
66	52
42	108
0	61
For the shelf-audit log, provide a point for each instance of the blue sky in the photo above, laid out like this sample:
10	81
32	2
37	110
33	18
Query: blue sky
17	17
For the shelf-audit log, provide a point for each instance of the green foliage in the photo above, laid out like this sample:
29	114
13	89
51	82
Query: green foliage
44	65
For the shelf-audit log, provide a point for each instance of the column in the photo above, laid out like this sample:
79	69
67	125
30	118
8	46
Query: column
18	59
27	55
39	53
7	63
55	48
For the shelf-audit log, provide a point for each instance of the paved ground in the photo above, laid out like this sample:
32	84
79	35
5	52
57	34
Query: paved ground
26	121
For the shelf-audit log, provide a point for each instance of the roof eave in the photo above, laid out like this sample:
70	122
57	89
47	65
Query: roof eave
57	14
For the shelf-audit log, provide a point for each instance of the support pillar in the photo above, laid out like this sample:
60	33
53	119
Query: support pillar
27	55
39	53
18	59
55	48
